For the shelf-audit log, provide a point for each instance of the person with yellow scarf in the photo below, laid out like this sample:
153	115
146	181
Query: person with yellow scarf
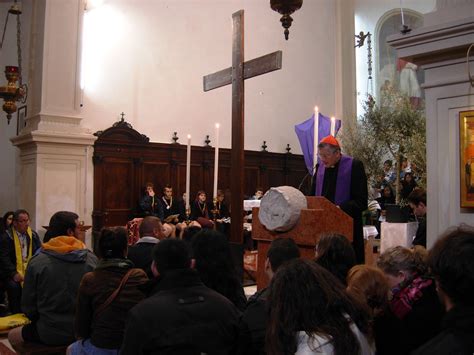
51	284
17	246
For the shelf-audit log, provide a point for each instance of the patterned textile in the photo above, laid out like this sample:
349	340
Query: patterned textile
132	228
404	298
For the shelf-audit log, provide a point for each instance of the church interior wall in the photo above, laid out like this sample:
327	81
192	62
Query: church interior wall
367	15
151	60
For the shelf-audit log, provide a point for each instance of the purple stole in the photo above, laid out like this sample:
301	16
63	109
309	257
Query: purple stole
343	183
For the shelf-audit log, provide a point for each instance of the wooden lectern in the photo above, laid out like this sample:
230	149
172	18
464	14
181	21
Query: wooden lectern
321	217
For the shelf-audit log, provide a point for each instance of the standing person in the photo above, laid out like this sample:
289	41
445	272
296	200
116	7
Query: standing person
309	312
18	244
182	316
51	284
105	295
342	180
451	261
417	202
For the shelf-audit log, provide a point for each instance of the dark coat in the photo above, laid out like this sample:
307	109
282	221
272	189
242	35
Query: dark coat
151	206
8	256
50	291
424	320
254	325
105	329
141	256
356	204
175	207
182	317
456	337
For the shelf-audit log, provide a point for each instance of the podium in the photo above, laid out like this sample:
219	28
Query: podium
321	217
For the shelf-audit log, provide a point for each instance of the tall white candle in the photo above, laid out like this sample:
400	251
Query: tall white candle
401	12
188	170
333	126
216	161
316	140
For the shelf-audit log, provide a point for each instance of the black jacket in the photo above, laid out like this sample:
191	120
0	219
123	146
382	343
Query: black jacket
141	256
456	337
182	317
8	256
254	325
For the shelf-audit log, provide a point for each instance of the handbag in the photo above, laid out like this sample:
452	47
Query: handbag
114	294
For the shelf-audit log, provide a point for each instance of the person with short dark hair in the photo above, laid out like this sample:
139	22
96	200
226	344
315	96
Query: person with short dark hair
100	320
183	316
334	252
414	299
51	283
173	210
342	180
417	202
151	231
311	313
17	246
254	319
451	262
7	221
150	204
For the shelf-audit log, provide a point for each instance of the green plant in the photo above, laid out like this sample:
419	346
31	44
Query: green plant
392	129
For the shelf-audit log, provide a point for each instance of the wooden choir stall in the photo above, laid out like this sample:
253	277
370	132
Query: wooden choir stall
321	217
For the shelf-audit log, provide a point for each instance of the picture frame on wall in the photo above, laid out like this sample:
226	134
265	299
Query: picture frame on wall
466	158
21	121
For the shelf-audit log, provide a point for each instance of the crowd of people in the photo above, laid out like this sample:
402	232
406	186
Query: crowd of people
168	295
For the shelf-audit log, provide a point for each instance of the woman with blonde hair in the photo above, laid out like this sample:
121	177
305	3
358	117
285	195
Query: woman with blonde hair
414	299
369	286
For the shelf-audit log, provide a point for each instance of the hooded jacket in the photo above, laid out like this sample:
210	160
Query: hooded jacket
51	283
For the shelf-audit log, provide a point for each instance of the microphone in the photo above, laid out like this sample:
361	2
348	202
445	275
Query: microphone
312	173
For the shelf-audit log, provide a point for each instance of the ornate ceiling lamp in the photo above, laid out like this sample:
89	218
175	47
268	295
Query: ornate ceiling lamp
286	8
12	93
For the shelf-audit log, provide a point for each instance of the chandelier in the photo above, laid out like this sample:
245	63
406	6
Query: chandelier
12	93
286	8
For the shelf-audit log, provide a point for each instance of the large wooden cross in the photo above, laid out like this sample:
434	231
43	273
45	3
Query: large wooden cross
236	75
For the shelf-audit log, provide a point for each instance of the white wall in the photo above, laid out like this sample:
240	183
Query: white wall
367	14
9	176
150	58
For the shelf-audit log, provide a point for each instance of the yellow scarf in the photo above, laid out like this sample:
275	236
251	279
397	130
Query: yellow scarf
20	263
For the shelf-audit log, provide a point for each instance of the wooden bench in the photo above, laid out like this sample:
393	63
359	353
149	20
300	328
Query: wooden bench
39	349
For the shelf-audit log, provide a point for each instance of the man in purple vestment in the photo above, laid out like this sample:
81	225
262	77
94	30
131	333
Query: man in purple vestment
342	180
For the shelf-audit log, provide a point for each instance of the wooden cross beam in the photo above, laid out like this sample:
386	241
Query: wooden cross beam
236	75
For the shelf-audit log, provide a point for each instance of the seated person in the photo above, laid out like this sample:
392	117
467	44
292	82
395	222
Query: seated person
51	284
214	263
408	185
150	204
258	194
414	299
151	231
201	210
100	317
173	209
254	319
450	260
182	316
311	313
18	244
335	253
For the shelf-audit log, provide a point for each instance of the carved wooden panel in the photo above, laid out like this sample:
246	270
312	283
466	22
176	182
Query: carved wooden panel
124	161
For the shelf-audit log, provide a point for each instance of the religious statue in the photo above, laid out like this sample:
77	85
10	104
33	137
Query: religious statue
361	39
